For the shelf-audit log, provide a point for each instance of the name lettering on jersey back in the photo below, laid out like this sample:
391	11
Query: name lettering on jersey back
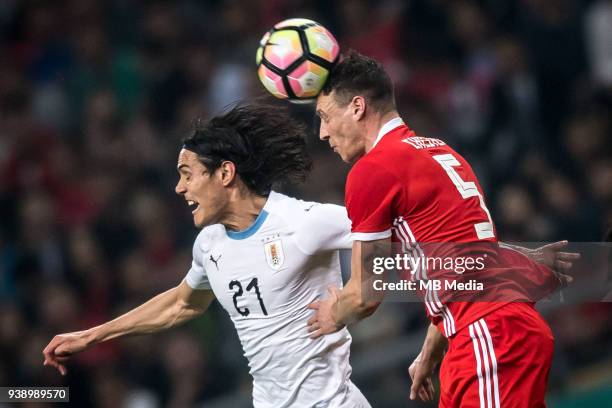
423	142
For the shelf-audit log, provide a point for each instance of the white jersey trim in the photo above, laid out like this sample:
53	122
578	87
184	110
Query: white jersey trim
387	127
432	301
370	236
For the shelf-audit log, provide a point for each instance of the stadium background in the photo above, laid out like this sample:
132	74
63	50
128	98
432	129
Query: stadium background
95	96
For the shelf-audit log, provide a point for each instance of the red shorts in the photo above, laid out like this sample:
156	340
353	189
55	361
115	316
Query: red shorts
501	360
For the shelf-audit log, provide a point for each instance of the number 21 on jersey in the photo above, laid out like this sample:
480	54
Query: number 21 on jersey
236	286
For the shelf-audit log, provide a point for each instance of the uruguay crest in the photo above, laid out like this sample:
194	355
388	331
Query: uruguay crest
274	254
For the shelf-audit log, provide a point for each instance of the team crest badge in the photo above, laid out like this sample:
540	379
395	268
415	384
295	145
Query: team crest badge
274	254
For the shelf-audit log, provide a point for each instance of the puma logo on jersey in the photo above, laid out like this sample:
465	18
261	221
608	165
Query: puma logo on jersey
213	260
309	207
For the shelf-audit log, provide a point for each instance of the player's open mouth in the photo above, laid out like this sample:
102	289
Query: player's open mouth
193	205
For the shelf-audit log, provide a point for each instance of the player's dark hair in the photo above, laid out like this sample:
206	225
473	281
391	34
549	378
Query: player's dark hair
265	144
357	74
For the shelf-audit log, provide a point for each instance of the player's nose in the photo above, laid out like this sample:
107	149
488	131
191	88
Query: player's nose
179	188
323	133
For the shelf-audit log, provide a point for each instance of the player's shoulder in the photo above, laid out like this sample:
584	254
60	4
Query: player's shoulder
282	204
290	207
373	168
298	213
386	156
208	236
313	226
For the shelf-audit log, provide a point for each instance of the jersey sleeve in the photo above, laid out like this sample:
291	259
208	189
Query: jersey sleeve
325	227
372	195
196	276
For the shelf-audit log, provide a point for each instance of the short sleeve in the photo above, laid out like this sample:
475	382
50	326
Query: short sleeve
325	227
196	276
372	194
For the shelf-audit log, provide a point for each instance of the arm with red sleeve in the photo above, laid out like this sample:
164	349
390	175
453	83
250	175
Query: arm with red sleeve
372	195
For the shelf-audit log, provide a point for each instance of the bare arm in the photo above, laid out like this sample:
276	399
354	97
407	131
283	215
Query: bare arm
422	368
551	255
434	345
165	310
357	300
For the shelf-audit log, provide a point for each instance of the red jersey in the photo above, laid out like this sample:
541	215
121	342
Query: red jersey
418	190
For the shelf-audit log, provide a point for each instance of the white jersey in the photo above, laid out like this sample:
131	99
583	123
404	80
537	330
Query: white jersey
265	277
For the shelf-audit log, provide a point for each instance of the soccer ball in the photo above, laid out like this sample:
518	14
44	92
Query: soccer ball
294	59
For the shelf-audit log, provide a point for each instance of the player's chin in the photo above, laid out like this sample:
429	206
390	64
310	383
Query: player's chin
341	154
348	158
199	221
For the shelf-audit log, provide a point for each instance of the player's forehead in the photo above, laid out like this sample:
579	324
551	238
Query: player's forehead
325	103
187	160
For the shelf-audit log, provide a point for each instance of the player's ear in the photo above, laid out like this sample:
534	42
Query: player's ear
358	107
227	172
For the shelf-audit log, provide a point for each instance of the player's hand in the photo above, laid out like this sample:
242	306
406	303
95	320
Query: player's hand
323	321
552	256
422	386
62	347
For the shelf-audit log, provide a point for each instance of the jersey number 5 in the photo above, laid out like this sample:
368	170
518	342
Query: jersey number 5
467	189
252	285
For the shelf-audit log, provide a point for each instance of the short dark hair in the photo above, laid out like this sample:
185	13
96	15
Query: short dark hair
265	144
357	74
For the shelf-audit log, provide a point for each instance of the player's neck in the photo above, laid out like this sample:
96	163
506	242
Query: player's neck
374	127
242	211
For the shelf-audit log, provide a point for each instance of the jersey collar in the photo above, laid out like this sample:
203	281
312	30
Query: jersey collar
261	218
388	127
253	228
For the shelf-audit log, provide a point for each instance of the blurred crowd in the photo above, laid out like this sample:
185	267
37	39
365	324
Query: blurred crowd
96	95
